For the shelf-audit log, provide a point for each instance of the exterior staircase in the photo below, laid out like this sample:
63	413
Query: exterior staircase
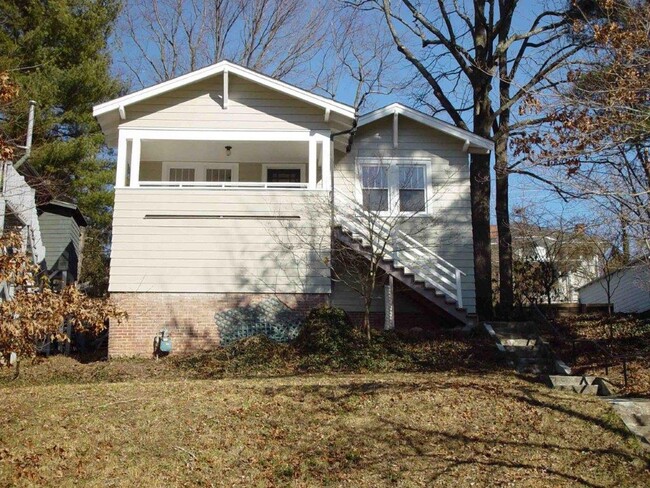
405	259
525	350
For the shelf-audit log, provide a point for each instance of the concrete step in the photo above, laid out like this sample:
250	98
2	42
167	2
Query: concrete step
589	385
642	419
515	335
581	389
514	328
534	366
519	342
634	412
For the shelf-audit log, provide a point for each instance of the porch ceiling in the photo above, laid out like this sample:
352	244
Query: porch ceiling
215	151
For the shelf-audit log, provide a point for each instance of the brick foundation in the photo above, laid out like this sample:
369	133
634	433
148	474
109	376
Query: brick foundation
188	316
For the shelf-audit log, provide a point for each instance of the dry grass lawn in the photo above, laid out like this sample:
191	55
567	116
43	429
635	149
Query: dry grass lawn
375	429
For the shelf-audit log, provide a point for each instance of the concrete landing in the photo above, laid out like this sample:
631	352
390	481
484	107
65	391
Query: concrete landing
635	413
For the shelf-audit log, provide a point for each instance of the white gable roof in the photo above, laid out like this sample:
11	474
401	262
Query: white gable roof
472	140
220	67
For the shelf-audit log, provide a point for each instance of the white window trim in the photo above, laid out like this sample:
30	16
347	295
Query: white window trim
300	166
199	169
393	176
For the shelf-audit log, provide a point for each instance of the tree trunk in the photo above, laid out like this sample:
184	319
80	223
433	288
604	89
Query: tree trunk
480	195
506	296
366	319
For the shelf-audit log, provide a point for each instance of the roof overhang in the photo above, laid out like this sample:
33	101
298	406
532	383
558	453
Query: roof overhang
65	208
471	142
119	104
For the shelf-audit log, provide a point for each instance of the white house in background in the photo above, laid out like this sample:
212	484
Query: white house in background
629	289
18	213
227	181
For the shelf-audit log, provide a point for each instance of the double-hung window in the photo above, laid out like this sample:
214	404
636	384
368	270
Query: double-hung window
218	174
394	186
200	172
412	188
182	174
374	186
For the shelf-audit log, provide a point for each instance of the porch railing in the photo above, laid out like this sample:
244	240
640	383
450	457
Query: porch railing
224	185
387	240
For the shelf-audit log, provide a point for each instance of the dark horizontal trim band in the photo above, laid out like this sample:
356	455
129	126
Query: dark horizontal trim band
222	217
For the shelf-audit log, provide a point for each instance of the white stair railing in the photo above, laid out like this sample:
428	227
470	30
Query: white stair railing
403	250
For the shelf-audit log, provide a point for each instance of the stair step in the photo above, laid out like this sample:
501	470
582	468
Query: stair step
581	389
534	366
522	352
643	420
530	343
506	336
408	273
533	369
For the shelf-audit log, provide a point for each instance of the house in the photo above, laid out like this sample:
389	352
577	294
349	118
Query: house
573	256
230	186
62	229
18	214
626	289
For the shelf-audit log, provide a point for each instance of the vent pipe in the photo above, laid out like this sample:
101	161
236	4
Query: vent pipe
30	134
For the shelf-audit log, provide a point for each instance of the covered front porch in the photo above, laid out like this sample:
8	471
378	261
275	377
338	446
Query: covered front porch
224	159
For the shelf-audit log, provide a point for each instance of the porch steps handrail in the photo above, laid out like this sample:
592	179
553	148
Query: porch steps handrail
403	250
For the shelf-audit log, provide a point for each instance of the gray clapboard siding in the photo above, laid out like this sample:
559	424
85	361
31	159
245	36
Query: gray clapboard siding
250	106
56	232
448	231
153	251
62	235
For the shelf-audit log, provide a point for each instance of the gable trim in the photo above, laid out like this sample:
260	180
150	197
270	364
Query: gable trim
218	68
471	140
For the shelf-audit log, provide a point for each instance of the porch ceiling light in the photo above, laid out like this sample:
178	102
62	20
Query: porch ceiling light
228	150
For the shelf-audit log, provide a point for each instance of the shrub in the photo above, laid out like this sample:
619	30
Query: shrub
35	312
329	341
327	330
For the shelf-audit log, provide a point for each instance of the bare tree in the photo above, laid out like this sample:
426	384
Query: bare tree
162	39
596	146
356	54
460	49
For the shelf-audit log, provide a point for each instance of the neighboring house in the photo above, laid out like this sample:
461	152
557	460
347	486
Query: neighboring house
62	230
628	289
227	183
574	255
18	214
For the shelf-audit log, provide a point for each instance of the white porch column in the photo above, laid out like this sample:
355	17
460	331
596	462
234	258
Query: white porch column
120	170
225	89
134	178
327	164
312	162
389	305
